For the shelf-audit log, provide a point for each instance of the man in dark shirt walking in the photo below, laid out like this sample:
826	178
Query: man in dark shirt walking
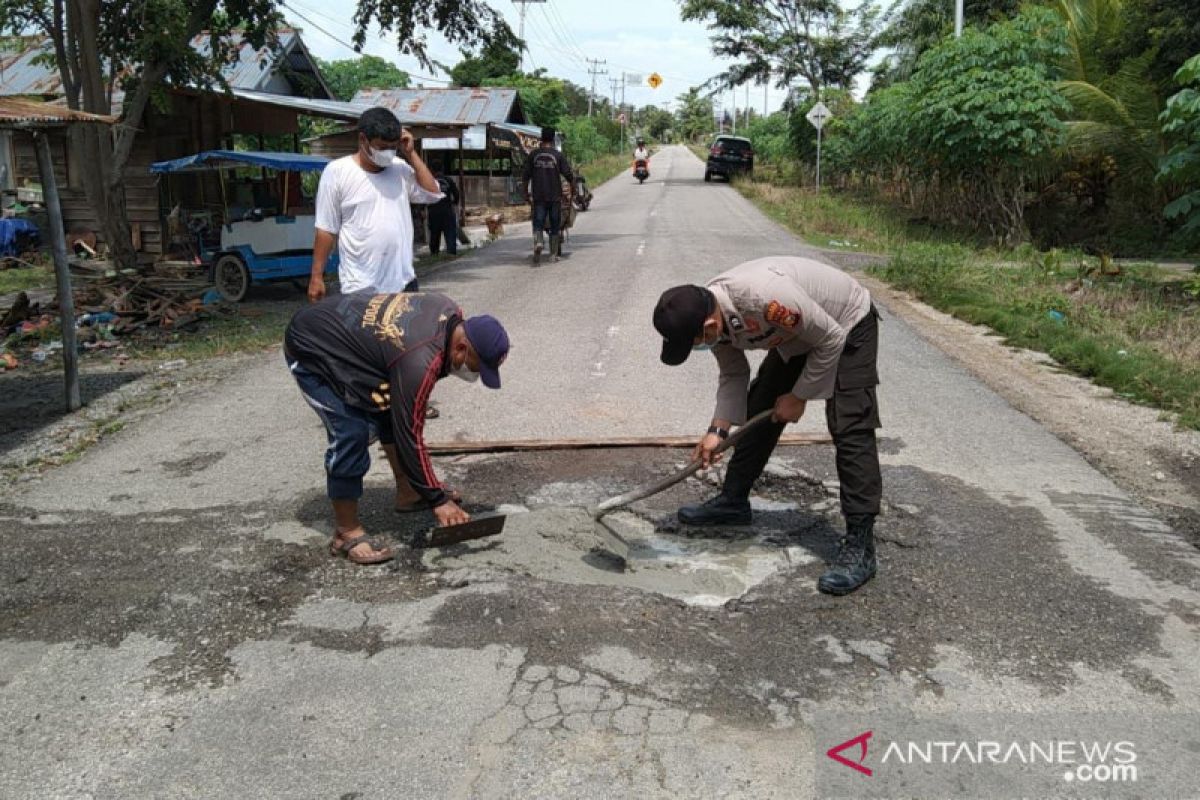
367	363
542	179
443	216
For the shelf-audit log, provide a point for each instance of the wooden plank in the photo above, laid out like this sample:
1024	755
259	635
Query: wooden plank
620	442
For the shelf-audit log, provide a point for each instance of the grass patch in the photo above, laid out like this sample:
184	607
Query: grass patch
19	279
218	336
603	168
832	219
1134	332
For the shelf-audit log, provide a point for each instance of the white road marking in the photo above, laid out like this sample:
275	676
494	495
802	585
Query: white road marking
598	366
641	247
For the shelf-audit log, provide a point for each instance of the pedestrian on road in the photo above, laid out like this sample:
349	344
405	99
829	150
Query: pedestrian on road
367	364
822	331
542	180
363	206
443	216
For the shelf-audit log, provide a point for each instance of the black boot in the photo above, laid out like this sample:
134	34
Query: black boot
719	510
854	563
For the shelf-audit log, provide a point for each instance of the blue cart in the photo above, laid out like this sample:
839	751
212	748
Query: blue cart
258	247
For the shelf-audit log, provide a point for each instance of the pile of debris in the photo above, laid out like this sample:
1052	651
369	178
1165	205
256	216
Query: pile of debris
171	294
110	305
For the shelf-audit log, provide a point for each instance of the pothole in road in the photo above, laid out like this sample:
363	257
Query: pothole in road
559	544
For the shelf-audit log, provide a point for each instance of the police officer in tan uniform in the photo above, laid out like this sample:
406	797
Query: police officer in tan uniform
821	329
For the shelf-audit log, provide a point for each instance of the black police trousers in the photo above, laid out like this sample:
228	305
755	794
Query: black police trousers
852	415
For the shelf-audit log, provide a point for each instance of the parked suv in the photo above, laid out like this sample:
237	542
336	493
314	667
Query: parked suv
729	155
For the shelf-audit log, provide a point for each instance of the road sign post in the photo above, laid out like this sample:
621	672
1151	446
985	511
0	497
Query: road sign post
818	115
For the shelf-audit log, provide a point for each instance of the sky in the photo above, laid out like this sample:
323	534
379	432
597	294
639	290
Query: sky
634	37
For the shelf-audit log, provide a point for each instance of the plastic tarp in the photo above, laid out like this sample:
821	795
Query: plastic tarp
12	231
231	159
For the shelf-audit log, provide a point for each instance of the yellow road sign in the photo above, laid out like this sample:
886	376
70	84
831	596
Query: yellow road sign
655	80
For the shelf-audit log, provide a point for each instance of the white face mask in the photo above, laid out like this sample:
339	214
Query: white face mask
463	373
382	158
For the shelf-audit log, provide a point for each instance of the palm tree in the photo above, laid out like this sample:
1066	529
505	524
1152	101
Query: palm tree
1114	115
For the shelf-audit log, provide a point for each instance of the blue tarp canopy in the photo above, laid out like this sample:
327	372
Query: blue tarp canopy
232	159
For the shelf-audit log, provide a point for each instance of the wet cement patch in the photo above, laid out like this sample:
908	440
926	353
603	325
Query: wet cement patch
960	570
561	545
974	574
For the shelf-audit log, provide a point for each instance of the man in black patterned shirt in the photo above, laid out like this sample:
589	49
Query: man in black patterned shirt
367	363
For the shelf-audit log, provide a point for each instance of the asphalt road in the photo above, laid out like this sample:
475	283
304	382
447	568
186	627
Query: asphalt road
170	626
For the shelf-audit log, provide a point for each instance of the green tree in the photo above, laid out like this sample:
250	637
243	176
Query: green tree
148	44
694	118
587	138
977	122
911	28
771	137
1168	30
497	59
1180	168
654	122
346	77
817	41
543	97
1114	113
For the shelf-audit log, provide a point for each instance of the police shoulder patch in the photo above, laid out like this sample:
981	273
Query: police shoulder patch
781	315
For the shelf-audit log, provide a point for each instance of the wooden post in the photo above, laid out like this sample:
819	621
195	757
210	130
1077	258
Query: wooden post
62	270
462	186
490	156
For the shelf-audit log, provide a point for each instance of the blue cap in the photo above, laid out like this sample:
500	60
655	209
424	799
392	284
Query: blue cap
490	341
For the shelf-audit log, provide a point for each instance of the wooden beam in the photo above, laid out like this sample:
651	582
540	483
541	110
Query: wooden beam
62	272
622	442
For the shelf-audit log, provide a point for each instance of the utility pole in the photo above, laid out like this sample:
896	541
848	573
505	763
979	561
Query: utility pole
624	136
733	118
614	83
958	18
747	106
594	70
524	4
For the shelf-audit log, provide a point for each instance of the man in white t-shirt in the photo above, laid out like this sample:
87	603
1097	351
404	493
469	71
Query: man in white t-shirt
363	206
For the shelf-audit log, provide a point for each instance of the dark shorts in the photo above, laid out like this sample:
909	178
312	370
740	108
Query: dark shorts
349	431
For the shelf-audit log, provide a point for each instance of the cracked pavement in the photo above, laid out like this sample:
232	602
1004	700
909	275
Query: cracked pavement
172	626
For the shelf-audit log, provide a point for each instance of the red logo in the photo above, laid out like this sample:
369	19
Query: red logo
835	753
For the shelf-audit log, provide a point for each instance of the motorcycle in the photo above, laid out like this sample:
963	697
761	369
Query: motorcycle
583	195
641	170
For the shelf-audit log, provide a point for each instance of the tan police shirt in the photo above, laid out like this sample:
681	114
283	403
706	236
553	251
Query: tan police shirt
797	306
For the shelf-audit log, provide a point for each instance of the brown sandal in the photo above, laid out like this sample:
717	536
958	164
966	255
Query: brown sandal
379	556
423	505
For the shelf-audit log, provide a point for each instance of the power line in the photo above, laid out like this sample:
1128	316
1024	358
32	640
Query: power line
351	47
594	70
559	35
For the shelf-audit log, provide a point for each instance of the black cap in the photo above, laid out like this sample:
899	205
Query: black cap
679	317
547	134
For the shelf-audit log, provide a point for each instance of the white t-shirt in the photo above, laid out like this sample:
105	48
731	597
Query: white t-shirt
369	213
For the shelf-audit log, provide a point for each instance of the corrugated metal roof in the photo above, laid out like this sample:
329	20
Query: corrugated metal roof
31	71
469	106
252	68
16	110
335	109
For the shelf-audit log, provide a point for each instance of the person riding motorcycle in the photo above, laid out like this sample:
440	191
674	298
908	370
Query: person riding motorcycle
641	152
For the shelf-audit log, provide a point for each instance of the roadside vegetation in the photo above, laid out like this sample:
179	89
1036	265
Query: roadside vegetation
30	276
1028	176
1132	328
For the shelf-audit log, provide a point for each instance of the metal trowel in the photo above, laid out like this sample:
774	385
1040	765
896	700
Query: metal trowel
616	544
477	528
